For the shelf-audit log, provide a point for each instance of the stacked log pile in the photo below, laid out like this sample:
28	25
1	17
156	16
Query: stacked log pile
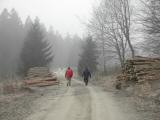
141	69
38	72
141	81
40	77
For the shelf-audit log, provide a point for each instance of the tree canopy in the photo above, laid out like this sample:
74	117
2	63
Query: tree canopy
37	51
88	57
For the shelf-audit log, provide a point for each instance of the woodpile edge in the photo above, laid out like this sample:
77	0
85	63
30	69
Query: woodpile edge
139	70
40	77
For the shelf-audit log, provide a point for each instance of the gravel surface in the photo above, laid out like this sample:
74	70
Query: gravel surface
19	106
78	102
146	108
16	107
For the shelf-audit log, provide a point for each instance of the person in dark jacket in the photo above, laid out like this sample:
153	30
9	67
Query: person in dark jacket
86	74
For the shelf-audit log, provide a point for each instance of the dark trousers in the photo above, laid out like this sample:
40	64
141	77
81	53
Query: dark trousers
86	80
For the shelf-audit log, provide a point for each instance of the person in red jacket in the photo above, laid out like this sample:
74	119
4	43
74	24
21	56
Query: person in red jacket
69	75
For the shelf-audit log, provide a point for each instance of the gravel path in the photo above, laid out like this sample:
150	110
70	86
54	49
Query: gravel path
79	102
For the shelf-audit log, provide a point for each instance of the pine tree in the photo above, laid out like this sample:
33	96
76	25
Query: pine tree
11	40
28	24
37	52
89	56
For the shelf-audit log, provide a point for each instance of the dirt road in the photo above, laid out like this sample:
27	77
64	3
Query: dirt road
79	102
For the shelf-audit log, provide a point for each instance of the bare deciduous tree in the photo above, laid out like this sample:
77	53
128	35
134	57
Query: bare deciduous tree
111	28
150	19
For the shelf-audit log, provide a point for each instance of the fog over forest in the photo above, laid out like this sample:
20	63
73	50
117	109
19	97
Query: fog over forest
12	37
80	59
114	32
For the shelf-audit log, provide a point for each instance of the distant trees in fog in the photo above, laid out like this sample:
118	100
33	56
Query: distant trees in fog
21	45
89	56
150	18
66	51
11	40
28	44
36	51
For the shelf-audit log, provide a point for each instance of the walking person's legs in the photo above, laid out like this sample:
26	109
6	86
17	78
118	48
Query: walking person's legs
67	81
86	81
70	82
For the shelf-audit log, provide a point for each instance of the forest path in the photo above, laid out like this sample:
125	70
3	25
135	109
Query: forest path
80	102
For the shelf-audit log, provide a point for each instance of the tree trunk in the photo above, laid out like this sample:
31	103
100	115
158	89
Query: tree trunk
130	45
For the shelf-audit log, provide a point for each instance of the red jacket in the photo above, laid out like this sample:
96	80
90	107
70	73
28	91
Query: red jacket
69	73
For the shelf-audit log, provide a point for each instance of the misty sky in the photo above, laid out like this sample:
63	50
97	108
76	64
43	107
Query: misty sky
63	15
66	16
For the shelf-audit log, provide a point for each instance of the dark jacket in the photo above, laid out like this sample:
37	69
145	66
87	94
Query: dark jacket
86	73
